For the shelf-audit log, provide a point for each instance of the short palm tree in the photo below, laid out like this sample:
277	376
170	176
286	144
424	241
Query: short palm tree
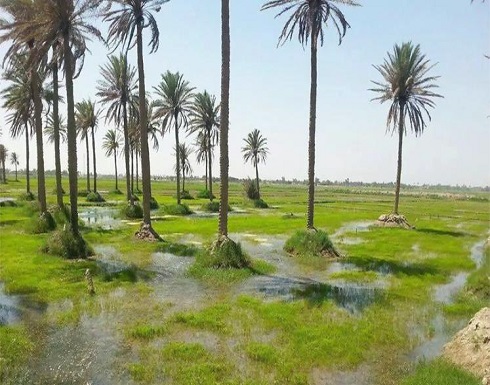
255	151
408	87
55	131
203	154
185	163
310	19
3	158
204	120
111	144
118	92
126	24
14	160
173	107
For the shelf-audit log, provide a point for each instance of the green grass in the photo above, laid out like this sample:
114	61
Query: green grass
440	372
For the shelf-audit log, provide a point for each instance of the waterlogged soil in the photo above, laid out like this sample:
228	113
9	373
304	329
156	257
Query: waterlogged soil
103	217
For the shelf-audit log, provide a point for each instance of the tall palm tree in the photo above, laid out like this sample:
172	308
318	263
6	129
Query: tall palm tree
118	91
224	118
126	26
173	107
185	164
49	128
309	18
14	160
255	151
205	121
87	120
407	86
3	158
55	131
201	145
83	133
111	144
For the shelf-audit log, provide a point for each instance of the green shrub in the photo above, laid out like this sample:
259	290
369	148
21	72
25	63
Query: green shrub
153	204
28	196
186	195
211	207
133	211
260	204
177	209
251	190
205	194
224	254
95	197
310	243
65	244
44	223
83	193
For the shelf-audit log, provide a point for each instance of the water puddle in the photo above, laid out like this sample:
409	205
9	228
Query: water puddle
109	261
103	217
10	312
352	227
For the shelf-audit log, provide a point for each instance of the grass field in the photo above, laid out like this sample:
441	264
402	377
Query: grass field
158	316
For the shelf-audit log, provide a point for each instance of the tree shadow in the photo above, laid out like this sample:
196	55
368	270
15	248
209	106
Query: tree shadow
444	232
9	222
384	267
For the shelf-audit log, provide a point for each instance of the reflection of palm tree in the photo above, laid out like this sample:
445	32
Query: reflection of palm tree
3	158
205	121
14	159
118	91
111	144
309	18
255	151
185	165
406	85
173	108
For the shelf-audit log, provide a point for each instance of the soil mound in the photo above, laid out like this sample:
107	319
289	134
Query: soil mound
393	220
470	347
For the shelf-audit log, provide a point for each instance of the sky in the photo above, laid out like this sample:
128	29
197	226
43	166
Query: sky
270	91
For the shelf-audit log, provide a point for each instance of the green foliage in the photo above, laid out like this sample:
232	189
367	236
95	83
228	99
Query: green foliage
116	192
178	249
250	189
55	191
309	243
261	352
8	203
225	254
205	194
15	347
147	332
440	372
134	211
260	204
211	207
186	195
129	274
27	196
175	209
44	223
61	215
67	245
135	198
153	204
83	193
94	197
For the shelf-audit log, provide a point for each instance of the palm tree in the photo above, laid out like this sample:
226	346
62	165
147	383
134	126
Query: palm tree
201	145
255	151
205	121
83	132
407	87
173	107
3	158
185	164
309	18
224	118
14	159
49	129
111	144
118	90
55	131
126	28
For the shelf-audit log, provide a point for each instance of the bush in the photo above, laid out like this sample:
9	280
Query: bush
65	244
83	193
213	207
310	243
133	211
153	204
44	223
250	188
95	197
186	195
205	194
224	254
28	196
260	204
177	209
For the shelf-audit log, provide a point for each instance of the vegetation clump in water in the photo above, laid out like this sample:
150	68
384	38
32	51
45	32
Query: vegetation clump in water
311	243
67	245
177	209
44	223
260	204
225	254
133	211
205	194
95	197
28	196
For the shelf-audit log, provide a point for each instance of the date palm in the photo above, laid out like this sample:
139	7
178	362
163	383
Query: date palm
49	128
111	144
184	154
14	160
3	159
173	107
310	20
255	151
126	24
203	154
408	88
205	121
118	92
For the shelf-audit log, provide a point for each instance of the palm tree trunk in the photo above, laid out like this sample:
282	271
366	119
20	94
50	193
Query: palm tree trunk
38	107
401	131
16	173
28	176
132	171
257	178
3	172
88	160
145	152
177	158
115	168
129	195
71	135
210	171
137	171
225	116
312	129
94	160
56	127
206	162
183	179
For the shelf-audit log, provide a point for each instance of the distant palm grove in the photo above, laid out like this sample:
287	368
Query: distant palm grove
47	41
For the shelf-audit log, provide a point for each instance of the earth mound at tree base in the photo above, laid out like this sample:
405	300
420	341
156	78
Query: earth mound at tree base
146	233
393	220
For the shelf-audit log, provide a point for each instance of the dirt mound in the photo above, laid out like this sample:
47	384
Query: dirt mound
146	233
470	347
393	220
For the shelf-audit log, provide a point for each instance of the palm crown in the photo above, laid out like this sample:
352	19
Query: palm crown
255	149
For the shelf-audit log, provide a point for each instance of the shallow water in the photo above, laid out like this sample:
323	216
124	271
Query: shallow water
103	217
10	312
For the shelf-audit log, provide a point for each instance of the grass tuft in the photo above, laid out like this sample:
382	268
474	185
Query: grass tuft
133	211
440	372
95	197
67	245
176	209
310	243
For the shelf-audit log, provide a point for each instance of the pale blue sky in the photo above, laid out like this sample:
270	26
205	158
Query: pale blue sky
270	90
